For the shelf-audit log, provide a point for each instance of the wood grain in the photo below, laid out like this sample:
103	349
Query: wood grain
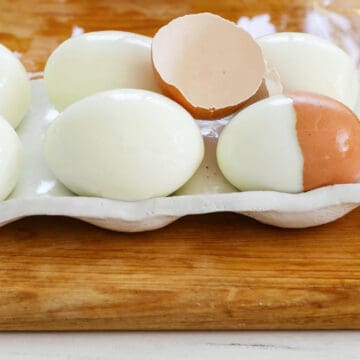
220	271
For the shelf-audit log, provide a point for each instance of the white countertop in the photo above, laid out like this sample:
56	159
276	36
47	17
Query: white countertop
339	345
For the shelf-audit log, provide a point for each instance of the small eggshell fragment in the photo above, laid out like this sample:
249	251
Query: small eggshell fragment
270	86
98	61
291	144
14	88
208	179
308	63
124	144
10	158
207	64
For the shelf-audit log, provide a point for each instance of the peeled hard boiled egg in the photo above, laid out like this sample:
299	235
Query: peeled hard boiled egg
207	64
308	63
124	144
14	88
292	144
10	158
98	61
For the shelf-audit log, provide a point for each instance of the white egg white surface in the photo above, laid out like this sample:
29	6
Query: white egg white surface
10	158
308	63
98	61
124	144
259	149
14	88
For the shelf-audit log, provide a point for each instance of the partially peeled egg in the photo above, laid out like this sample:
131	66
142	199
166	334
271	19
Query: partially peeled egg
291	143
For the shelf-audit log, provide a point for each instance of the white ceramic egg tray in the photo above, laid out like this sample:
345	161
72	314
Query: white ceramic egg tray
39	193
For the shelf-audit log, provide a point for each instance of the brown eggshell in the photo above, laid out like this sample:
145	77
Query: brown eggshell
207	64
329	136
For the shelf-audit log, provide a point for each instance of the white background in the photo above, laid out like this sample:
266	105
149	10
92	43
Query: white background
340	345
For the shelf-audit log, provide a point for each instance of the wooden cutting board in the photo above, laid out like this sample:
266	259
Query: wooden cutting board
220	271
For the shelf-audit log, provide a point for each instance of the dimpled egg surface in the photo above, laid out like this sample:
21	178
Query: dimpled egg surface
14	88
291	143
308	63
98	61
124	144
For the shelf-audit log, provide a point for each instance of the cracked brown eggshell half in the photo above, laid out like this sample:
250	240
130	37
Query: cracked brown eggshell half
207	64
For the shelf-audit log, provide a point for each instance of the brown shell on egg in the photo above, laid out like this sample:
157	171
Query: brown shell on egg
329	136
